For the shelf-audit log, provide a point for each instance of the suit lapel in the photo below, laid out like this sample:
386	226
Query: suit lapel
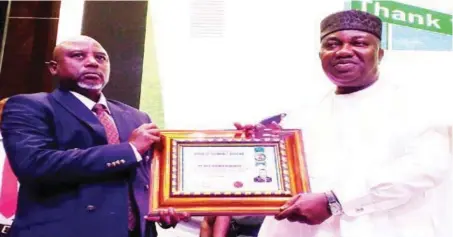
79	110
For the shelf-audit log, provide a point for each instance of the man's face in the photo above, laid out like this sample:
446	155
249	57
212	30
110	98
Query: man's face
82	63
350	58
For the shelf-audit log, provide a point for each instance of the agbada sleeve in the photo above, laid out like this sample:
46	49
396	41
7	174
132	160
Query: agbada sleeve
425	163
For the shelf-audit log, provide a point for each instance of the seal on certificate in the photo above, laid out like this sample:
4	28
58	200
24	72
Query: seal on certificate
238	184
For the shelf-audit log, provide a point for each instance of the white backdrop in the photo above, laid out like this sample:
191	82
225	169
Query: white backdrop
263	61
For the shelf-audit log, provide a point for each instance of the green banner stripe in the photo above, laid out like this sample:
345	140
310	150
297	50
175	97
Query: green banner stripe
407	15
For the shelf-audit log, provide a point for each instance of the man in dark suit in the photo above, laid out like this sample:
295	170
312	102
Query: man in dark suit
82	160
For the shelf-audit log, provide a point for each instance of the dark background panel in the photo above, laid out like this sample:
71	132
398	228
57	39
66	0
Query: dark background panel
44	9
30	36
3	12
120	26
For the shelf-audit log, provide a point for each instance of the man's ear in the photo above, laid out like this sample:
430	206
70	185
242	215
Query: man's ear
381	54
52	66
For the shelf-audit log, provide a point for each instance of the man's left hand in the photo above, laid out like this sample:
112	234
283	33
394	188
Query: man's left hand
309	208
169	217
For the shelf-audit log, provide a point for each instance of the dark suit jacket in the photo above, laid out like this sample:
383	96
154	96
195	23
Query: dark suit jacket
59	152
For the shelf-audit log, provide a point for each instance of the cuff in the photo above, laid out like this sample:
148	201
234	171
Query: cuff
165	226
354	205
137	155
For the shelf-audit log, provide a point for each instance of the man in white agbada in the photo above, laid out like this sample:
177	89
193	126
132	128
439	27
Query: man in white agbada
378	164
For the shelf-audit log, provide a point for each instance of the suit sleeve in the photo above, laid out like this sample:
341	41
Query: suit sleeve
31	146
424	164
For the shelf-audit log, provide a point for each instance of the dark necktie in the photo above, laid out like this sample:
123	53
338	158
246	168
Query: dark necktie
112	138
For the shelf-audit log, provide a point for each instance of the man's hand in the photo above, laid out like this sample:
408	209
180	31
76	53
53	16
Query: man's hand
144	136
309	208
248	129
215	226
258	129
169	217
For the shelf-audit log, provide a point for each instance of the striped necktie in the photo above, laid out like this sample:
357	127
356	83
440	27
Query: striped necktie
113	138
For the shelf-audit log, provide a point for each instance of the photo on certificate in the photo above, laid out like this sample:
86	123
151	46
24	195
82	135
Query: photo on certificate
223	172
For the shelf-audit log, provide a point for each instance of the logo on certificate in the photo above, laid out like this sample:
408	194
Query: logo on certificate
260	156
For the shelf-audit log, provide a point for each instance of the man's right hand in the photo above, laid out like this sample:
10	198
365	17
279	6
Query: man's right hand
248	129
252	130
144	136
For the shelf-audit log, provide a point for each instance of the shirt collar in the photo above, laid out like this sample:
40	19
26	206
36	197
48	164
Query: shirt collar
377	87
89	103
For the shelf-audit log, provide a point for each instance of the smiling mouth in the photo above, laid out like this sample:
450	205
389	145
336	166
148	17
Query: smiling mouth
344	62
344	67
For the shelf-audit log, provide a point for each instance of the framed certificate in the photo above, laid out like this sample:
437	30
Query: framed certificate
220	172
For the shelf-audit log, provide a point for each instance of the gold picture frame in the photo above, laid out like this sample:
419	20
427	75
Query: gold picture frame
168	174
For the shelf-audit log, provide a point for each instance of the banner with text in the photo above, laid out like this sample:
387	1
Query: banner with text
411	27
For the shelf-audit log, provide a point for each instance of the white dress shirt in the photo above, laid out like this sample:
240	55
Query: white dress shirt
103	101
387	160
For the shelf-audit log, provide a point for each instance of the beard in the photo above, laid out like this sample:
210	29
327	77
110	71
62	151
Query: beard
90	86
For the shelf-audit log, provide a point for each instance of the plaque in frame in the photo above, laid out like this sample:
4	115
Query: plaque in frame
220	172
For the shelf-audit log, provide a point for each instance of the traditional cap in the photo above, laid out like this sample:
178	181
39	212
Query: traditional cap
351	20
